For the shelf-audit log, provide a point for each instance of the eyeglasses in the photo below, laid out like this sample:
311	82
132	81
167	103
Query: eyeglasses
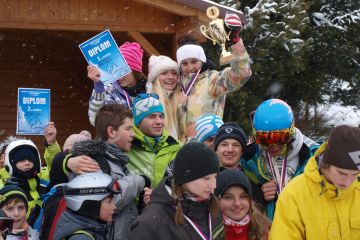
113	188
147	95
267	138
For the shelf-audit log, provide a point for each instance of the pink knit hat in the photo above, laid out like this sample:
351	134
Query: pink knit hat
133	55
75	138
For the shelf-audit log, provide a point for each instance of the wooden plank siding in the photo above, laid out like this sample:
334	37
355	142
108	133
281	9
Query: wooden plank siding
94	15
52	59
39	49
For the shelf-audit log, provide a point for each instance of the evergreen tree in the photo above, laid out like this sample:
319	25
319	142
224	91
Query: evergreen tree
308	48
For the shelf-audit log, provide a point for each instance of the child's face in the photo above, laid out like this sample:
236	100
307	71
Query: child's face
168	79
127	81
122	136
190	65
24	165
16	209
107	209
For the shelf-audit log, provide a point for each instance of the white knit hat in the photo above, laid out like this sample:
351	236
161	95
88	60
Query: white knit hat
159	64
190	51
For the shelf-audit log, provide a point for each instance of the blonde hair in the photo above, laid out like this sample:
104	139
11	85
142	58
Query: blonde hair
259	224
170	107
177	194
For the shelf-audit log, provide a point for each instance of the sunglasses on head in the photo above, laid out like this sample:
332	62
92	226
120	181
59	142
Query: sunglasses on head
113	188
278	137
147	95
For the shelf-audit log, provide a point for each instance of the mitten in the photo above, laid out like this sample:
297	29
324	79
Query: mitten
233	26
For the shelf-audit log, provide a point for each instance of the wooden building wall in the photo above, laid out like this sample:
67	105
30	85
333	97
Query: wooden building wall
118	15
52	59
39	48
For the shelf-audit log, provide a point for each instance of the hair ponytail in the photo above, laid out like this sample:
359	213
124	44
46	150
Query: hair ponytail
178	197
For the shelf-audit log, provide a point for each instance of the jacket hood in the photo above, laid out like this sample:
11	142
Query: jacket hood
298	142
330	191
70	223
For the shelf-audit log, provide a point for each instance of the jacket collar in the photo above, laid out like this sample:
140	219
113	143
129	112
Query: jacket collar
149	143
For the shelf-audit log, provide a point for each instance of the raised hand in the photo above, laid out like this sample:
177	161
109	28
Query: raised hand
93	73
50	133
233	27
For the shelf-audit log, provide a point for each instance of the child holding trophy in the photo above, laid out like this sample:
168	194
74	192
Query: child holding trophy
205	91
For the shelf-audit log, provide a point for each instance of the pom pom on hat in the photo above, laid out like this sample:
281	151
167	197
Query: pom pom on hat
75	138
159	64
133	55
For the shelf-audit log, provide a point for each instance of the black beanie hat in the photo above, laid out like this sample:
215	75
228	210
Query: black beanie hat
10	192
230	130
22	153
232	177
193	161
343	148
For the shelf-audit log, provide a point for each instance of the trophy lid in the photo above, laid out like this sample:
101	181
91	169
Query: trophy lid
212	12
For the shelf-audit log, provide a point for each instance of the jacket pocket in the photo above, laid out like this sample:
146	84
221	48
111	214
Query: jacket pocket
355	227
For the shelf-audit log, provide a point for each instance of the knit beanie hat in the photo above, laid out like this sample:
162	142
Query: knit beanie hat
144	105
232	177
190	51
343	148
159	64
207	126
11	192
193	161
230	130
23	153
97	150
133	55
75	138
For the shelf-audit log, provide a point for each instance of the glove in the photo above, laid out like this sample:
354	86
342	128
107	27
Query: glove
147	181
233	26
249	151
141	204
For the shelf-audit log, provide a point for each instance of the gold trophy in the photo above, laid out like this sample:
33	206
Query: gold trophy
217	34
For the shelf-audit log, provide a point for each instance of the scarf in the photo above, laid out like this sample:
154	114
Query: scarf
243	222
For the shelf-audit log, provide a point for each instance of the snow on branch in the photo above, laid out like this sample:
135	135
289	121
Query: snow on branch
340	22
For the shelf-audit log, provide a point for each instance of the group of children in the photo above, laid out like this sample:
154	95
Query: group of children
164	165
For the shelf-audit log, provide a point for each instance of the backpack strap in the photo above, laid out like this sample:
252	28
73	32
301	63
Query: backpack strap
60	209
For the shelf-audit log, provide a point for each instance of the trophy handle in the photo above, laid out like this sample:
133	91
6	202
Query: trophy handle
204	32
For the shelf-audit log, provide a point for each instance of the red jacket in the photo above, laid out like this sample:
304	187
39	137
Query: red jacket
236	232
